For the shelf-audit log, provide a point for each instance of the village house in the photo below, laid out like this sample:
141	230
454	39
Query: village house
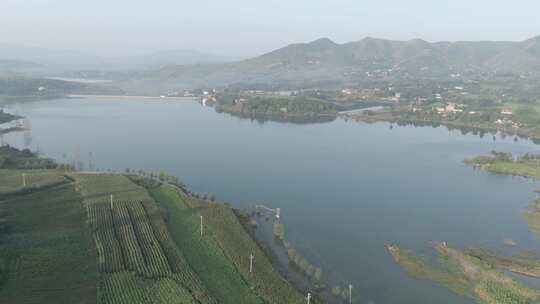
450	108
284	93
507	111
346	92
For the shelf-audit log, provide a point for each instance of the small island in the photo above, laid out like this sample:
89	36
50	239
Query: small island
286	108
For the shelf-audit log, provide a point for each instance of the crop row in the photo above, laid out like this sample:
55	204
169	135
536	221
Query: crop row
132	237
237	244
127	288
100	221
179	266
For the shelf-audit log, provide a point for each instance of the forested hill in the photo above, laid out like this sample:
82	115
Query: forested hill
324	61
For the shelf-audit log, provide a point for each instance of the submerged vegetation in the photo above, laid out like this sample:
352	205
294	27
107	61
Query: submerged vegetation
520	265
473	272
532	216
465	274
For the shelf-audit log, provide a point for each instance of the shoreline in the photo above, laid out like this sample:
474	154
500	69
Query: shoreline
448	124
84	96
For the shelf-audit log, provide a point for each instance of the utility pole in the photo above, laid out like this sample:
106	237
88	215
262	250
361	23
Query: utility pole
24	179
350	293
112	205
202	226
308	297
251	257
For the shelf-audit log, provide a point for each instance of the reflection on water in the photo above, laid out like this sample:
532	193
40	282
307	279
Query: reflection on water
344	188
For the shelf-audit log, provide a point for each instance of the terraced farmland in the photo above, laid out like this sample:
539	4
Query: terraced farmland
204	254
62	239
135	251
223	227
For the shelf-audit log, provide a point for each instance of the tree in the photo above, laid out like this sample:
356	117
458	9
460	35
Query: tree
310	270
336	291
303	264
291	253
279	231
318	274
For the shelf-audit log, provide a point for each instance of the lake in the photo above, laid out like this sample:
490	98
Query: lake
344	188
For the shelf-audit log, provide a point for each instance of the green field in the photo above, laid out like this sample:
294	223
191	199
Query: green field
204	254
226	241
64	240
135	250
46	251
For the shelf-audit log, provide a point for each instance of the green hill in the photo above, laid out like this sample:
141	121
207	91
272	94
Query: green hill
324	61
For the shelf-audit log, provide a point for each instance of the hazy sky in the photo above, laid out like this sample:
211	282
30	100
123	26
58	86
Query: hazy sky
246	27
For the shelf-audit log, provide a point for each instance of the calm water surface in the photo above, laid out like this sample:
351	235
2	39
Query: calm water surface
344	187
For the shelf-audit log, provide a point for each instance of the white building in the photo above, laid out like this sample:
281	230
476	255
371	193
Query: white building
507	112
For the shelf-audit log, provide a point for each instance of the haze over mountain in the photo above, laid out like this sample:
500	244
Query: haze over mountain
318	63
170	57
324	61
36	60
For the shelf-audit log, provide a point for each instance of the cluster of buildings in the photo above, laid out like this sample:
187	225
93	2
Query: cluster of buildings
506	120
450	108
284	93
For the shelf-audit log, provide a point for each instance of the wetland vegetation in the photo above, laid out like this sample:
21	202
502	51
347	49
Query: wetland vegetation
466	274
477	272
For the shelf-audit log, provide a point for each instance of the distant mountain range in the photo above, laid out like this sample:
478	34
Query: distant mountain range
318	63
35	60
411	55
170	57
17	65
323	61
46	60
